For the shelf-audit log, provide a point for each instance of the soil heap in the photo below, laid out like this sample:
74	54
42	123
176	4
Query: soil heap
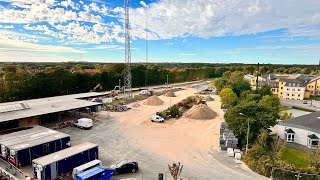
201	111
170	94
153	101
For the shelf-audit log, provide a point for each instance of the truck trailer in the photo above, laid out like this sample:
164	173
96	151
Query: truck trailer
22	154
22	137
62	162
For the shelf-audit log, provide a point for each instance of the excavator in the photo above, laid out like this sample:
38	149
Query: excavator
96	87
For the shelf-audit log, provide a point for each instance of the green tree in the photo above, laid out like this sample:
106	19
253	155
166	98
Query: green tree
285	115
220	83
260	116
228	97
264	90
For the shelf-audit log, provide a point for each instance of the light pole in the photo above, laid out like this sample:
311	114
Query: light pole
167	82
119	86
248	130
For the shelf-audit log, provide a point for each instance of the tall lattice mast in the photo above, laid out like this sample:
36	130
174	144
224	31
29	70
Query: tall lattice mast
127	73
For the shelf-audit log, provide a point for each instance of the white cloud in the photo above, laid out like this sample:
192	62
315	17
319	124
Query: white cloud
143	3
215	18
109	47
7	27
94	7
15	44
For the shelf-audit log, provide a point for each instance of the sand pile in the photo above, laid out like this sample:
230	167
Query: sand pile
200	111
170	94
153	101
208	98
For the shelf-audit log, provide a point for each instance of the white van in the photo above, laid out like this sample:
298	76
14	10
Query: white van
84	123
85	167
156	118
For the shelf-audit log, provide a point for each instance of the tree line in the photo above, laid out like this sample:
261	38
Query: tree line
17	83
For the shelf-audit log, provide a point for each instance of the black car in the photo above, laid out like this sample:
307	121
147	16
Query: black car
125	167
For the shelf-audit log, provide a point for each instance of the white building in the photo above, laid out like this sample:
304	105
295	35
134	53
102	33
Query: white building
303	130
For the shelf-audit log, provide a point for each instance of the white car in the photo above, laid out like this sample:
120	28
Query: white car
144	92
84	123
157	118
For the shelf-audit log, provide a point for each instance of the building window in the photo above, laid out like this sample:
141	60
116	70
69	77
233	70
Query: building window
289	84
313	141
292	94
281	87
281	93
292	89
288	89
298	95
293	84
289	135
309	86
298	89
288	94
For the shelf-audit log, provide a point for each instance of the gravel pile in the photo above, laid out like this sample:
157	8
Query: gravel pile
153	101
201	111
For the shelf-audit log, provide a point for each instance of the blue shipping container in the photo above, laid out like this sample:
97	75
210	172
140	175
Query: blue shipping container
59	163
96	173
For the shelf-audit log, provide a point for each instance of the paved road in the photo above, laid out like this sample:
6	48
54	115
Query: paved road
299	103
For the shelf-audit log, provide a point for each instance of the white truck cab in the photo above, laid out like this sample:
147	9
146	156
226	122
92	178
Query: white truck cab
84	123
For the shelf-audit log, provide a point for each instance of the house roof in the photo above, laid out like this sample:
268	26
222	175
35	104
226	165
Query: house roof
291	81
289	131
248	76
309	122
314	79
313	136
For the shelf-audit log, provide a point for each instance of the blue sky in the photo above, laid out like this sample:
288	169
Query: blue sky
210	31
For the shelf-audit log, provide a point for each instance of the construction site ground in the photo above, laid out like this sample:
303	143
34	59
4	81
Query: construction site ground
131	135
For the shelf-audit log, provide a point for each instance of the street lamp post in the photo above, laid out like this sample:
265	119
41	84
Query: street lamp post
119	86
167	82
248	130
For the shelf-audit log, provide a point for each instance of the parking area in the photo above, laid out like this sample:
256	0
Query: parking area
131	136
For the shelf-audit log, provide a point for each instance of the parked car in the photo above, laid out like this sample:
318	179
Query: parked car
84	123
157	118
144	92
127	166
305	102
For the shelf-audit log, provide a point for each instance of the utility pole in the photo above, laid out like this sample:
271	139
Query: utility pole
167	82
127	74
257	81
146	76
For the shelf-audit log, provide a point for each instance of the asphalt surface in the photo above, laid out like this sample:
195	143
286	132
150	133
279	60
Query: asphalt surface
300	103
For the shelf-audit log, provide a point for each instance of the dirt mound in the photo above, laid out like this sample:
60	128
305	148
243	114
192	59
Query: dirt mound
201	111
208	98
153	101
170	94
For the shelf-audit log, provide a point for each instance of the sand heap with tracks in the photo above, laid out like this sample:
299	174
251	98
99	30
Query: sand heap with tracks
170	94
201	111
153	101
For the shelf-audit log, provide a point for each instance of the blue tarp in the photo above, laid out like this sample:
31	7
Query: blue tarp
106	174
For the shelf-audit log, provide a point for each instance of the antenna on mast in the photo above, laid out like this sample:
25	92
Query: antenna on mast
127	73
